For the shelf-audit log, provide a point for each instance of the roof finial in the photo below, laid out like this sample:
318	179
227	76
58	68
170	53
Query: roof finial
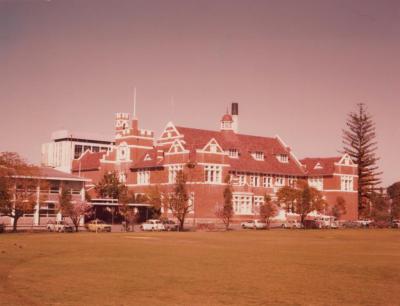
134	103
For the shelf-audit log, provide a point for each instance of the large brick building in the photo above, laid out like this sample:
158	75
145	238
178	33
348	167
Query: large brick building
257	165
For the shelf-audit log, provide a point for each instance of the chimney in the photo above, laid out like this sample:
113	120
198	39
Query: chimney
235	116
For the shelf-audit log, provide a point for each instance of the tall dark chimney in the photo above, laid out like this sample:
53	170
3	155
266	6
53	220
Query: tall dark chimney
235	108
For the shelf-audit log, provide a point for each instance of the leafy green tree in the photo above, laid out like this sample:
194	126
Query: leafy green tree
225	213
178	201
109	186
268	210
359	142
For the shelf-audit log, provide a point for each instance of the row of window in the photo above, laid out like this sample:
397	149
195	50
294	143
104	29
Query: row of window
244	204
213	175
265	181
79	149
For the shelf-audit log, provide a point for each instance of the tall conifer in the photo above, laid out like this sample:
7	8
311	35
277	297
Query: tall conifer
359	142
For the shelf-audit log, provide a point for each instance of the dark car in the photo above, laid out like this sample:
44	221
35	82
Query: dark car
312	224
2	227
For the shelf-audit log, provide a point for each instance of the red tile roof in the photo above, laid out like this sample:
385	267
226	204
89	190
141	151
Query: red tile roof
87	161
327	164
51	173
153	162
246	145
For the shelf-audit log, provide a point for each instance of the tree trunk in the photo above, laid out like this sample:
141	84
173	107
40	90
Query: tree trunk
15	221
181	221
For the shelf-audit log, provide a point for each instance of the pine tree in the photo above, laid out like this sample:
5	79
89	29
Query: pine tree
359	142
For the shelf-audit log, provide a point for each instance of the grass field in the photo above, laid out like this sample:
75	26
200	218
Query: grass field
277	267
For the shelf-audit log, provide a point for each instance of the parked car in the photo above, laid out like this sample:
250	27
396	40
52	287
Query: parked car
351	224
312	224
292	224
170	225
2	227
98	225
59	226
364	222
396	223
254	224
152	225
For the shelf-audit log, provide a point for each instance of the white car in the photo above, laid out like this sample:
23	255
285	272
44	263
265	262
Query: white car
152	225
292	224
254	224
59	226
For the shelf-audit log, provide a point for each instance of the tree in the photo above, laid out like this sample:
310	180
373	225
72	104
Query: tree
18	187
110	187
154	198
287	197
380	212
359	142
178	201
310	199
393	192
302	200
268	210
225	213
339	209
75	210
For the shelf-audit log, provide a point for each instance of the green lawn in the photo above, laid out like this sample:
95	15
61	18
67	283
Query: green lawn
277	267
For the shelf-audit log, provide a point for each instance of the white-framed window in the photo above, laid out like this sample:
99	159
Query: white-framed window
279	181
233	153
122	177
143	177
255	180
267	181
172	171
258	155
48	209
316	182
283	158
191	202
346	183
258	201
213	174
242	204
292	181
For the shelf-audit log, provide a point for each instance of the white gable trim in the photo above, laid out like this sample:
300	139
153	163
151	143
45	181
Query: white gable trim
343	160
219	150
170	127
291	154
175	147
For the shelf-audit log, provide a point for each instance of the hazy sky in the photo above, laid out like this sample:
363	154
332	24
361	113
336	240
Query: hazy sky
297	68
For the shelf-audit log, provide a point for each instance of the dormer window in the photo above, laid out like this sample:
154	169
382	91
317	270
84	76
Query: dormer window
318	166
258	155
233	153
283	158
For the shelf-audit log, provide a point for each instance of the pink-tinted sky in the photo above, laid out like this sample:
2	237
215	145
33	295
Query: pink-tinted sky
296	68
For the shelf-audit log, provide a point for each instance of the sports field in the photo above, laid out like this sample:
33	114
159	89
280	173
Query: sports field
277	267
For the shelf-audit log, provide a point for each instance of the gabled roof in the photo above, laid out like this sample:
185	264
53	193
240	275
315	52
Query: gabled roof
246	145
153	162
87	161
326	165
